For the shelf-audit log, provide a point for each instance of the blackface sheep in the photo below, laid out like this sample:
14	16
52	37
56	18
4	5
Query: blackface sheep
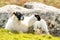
13	22
41	23
17	22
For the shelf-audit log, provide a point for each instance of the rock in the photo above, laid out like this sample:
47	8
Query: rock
3	19
38	5
12	8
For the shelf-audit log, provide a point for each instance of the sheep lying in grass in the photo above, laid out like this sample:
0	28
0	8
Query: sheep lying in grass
20	23
14	21
41	23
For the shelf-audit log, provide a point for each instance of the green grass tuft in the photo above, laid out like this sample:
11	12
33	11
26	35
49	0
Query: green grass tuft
7	35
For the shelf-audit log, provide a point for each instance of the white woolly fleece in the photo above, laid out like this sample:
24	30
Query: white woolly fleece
42	23
22	25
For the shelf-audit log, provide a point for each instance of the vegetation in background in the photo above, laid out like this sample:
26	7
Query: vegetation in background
55	3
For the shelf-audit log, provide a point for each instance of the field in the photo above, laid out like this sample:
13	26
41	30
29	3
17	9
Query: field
7	35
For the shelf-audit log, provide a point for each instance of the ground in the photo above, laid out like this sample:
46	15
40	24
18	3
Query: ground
7	35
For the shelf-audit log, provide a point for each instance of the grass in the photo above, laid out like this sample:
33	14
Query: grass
7	35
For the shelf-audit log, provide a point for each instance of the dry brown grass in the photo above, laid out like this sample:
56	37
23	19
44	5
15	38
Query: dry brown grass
55	3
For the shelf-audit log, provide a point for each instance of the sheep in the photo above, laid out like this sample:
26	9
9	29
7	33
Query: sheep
41	23
20	23
14	21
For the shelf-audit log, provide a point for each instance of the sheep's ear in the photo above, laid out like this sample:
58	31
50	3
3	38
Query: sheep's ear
38	17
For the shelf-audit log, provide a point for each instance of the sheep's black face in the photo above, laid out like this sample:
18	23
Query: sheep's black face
38	17
19	15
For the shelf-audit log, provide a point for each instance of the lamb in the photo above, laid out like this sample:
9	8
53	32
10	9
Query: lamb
20	23
41	23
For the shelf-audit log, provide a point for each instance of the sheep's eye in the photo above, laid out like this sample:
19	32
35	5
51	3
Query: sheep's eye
20	17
